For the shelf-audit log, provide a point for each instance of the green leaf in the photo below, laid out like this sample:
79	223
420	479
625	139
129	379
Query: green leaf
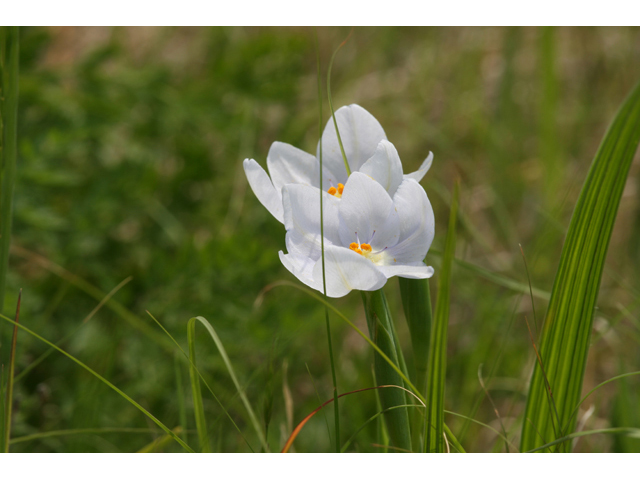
381	333
434	438
566	333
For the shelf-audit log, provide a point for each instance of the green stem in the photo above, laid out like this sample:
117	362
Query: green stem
336	409
333	115
381	333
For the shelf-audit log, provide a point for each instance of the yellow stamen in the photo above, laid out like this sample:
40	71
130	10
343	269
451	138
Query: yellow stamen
340	189
332	191
366	247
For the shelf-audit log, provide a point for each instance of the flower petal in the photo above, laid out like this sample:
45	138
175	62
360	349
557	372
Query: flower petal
385	167
417	224
288	164
424	168
263	188
407	271
360	133
300	266
367	213
301	205
346	271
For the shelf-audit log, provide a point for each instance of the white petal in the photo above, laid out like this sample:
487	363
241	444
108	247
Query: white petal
417	225
424	168
300	266
407	271
346	271
385	167
360	133
301	205
288	164
367	213
263	188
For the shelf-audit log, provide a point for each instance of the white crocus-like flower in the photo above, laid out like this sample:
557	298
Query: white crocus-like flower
369	235
366	148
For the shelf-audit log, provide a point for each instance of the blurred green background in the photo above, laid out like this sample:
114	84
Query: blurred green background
131	143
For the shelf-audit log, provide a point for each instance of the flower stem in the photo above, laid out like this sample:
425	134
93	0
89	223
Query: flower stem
336	409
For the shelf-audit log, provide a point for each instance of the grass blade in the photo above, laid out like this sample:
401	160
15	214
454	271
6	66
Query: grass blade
9	114
201	421
105	381
434	437
566	332
232	374
8	402
416	302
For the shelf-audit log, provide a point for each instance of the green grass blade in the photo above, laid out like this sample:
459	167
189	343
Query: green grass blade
333	115
232	374
106	382
336	408
9	114
416	302
201	421
434	437
368	421
78	431
380	330
182	409
8	402
566	333
206	384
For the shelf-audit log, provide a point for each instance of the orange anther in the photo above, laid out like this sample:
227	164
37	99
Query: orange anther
353	246
340	188
366	247
332	191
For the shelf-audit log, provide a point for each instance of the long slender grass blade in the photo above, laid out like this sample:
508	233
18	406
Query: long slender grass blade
9	114
232	374
196	393
434	437
566	332
105	381
8	402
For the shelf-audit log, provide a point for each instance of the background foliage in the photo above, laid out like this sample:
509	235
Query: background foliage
130	147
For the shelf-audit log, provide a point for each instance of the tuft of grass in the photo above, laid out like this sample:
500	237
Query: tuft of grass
435	431
105	381
566	332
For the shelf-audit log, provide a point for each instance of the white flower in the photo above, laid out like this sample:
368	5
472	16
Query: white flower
366	148
369	236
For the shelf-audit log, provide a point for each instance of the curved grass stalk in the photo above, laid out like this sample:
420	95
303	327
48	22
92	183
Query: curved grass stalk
333	115
227	362
192	365
106	382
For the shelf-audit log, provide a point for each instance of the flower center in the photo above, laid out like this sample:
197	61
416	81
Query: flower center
337	192
363	249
